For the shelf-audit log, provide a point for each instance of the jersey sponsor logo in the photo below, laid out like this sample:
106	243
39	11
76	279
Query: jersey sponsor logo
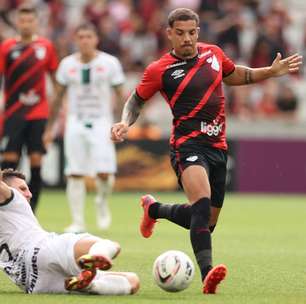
192	158
211	129
34	270
40	52
176	64
214	63
29	99
178	74
204	54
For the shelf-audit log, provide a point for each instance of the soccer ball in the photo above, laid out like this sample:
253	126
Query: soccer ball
173	271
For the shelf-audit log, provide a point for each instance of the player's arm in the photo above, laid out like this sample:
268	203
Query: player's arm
54	110
130	113
119	94
245	75
6	193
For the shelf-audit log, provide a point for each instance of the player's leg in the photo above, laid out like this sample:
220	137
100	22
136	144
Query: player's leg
12	142
35	184
104	184
102	154
197	188
36	150
96	246
76	194
114	283
76	156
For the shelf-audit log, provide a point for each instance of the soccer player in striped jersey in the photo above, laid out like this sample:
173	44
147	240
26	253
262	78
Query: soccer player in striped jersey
190	78
24	62
89	77
38	261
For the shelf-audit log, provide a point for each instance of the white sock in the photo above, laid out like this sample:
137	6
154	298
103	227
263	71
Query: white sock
110	284
104	189
76	192
104	247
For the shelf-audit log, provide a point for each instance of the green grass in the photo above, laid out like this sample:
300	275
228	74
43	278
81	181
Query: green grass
260	238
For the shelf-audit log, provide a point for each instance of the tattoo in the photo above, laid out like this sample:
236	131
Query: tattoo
132	109
248	76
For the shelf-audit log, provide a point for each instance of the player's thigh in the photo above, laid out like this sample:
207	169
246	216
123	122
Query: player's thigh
76	150
13	136
195	183
102	151
33	137
218	179
192	171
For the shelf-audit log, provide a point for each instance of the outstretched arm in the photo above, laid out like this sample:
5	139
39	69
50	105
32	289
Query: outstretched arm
130	113
245	75
5	191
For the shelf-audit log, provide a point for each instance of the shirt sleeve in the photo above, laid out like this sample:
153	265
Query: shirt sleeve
117	75
228	66
150	83
53	61
2	64
61	76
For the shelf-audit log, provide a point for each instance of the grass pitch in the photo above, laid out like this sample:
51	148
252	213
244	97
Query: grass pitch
261	238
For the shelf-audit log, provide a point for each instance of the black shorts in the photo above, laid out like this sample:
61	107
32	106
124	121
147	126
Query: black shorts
20	132
212	159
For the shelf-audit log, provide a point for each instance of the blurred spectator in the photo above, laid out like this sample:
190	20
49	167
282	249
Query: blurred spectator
287	102
139	46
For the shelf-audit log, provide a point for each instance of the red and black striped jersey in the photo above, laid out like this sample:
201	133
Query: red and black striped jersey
193	90
24	68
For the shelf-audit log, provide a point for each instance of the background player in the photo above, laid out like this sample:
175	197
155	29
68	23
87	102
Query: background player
190	79
42	262
89	77
24	62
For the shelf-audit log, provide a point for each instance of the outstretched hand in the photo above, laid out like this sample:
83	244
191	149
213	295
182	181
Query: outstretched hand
119	131
287	65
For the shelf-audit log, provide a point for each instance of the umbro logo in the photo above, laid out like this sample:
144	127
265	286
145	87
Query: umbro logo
178	73
204	54
192	158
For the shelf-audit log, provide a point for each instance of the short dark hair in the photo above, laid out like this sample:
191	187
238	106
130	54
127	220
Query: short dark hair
87	26
25	9
182	14
9	173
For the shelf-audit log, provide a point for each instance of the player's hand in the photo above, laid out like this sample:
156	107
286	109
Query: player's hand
287	65
119	131
47	138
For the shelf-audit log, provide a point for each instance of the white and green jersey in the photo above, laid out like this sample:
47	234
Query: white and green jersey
90	85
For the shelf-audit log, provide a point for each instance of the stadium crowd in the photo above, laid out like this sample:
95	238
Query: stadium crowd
250	32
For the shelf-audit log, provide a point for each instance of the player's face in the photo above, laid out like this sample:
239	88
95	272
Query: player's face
87	41
21	186
183	36
26	24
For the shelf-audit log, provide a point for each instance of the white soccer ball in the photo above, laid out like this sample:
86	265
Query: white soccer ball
173	271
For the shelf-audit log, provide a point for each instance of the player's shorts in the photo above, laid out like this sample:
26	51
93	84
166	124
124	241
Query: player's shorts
18	132
51	262
212	159
88	148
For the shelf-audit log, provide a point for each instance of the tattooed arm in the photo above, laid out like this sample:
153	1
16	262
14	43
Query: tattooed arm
245	75
130	114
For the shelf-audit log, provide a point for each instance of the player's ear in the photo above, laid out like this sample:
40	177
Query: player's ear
169	33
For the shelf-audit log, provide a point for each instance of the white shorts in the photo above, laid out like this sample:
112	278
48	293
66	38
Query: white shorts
51	261
88	148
